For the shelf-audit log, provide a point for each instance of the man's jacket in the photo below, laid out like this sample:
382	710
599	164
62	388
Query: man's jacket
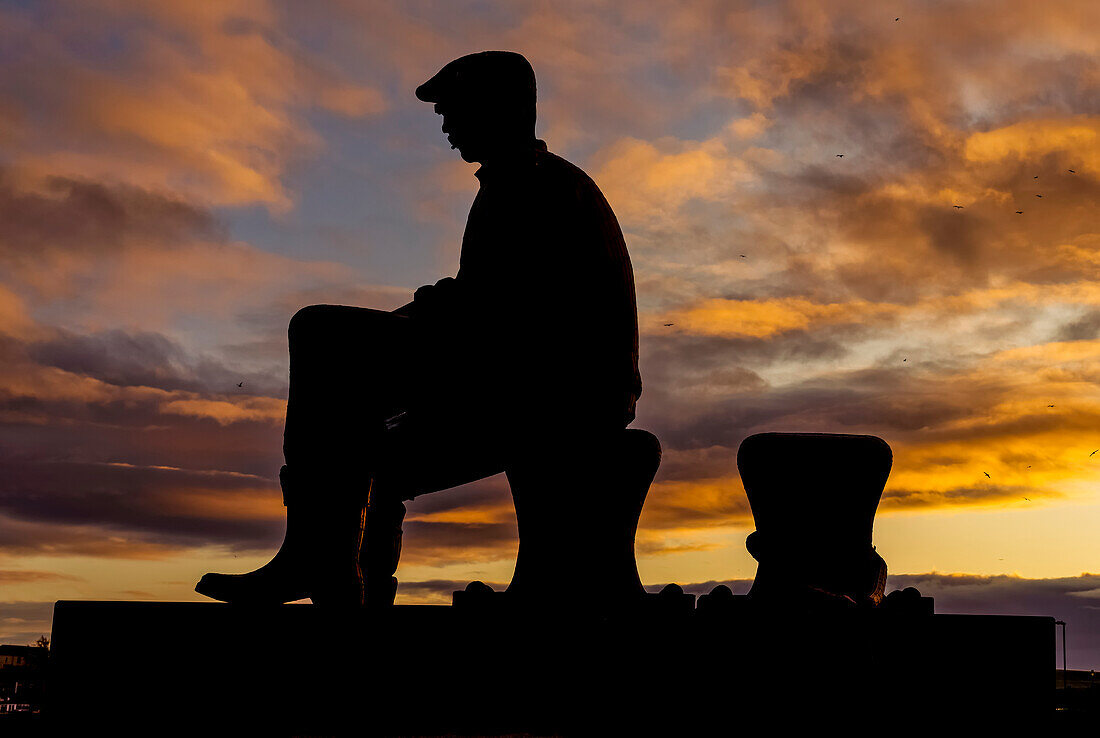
543	303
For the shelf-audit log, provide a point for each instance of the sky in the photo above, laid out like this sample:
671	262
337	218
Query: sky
859	219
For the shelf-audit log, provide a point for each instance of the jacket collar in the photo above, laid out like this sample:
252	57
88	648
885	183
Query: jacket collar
522	159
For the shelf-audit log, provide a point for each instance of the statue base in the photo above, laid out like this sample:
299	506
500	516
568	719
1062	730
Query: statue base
165	667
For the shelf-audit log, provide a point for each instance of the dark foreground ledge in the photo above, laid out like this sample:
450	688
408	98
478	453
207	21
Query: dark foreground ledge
164	667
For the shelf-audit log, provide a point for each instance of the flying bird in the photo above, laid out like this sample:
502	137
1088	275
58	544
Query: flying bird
1029	466
1019	212
668	324
905	359
960	207
240	384
1038	196
896	20
840	156
742	256
1090	455
1036	177
1050	405
987	474
1028	499
1071	171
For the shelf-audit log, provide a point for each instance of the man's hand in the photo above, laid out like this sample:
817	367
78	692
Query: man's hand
432	297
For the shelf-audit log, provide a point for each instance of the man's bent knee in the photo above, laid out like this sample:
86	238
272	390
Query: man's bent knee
308	319
318	319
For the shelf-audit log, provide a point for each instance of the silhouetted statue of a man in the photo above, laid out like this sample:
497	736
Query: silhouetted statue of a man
531	348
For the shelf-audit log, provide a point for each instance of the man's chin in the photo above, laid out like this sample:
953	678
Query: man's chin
468	156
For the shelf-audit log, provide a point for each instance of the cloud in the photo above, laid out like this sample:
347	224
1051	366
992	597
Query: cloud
262	409
644	183
148	359
90	217
15	321
145	506
210	104
22	576
694	504
764	318
443	543
99	258
1077	140
352	101
21	538
1085	328
36	393
21	623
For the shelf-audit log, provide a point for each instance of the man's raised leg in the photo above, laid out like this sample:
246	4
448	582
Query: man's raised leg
349	371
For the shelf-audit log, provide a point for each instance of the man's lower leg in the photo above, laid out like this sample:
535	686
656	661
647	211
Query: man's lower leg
319	556
380	551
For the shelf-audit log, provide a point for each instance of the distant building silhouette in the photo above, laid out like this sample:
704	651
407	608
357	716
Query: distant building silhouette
22	679
1078	692
16	656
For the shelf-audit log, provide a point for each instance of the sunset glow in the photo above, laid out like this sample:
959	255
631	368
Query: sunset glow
821	201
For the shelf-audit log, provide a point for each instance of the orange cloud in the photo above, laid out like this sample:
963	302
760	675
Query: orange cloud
243	504
25	576
764	318
696	504
14	319
352	101
1077	139
35	385
253	409
29	538
208	103
644	182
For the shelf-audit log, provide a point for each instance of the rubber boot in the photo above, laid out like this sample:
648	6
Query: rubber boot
318	557
380	550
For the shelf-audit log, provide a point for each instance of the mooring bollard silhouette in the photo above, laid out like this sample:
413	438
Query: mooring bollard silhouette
813	497
578	510
578	519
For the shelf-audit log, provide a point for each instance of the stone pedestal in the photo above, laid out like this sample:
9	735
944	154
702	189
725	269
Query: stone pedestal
185	668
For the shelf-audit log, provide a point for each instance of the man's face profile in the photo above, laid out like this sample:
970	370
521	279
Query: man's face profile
465	129
479	128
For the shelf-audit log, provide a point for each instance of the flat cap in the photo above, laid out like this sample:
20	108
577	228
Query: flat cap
504	76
